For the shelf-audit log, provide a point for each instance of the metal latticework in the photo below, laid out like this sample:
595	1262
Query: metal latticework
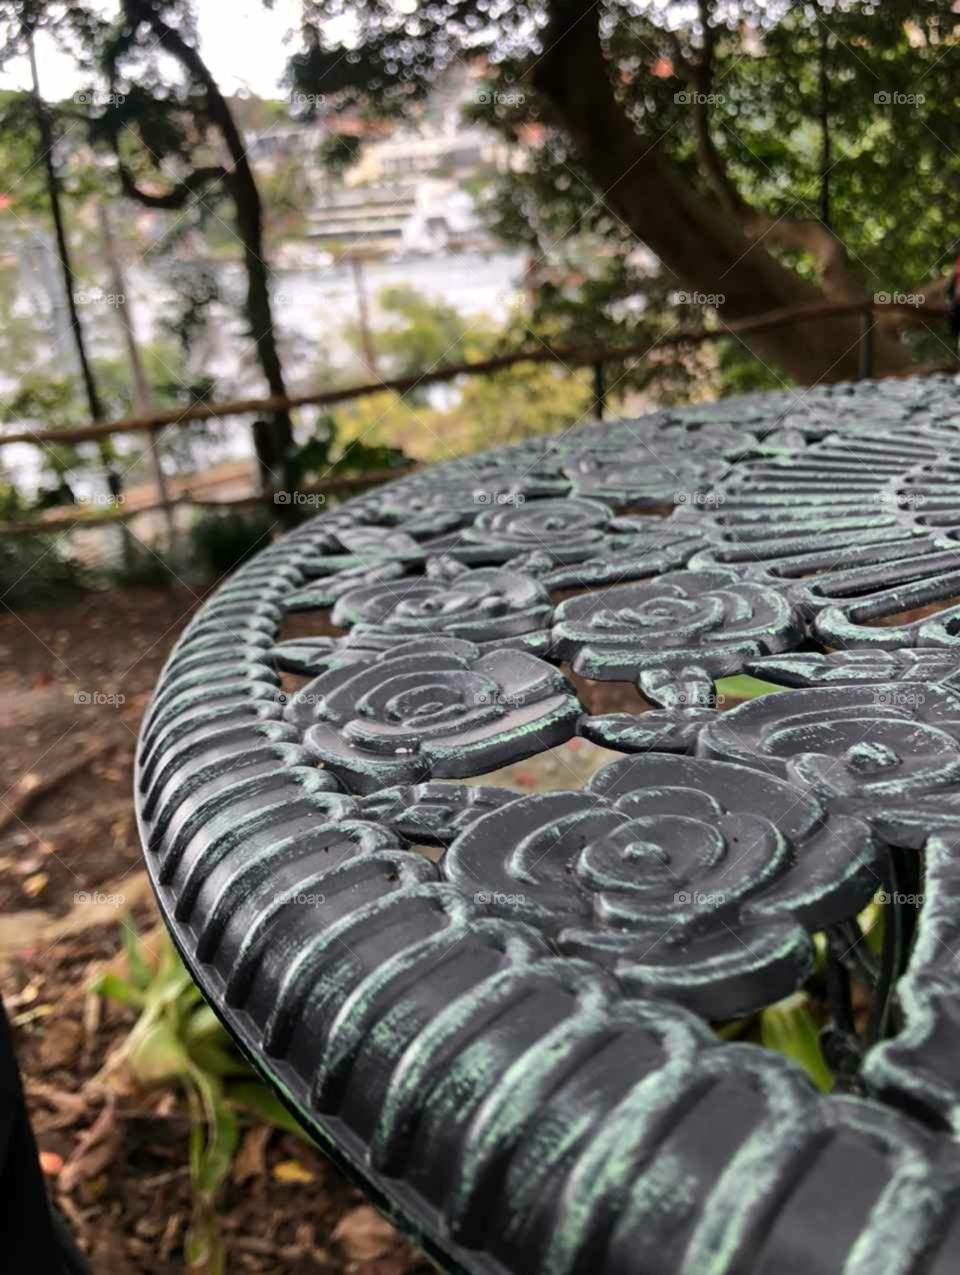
509	1039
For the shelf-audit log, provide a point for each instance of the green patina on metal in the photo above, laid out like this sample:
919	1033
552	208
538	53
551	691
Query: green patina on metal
510	1046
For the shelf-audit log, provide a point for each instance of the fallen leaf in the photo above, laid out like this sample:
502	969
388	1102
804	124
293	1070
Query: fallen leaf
364	1234
250	1160
51	1163
35	884
292	1171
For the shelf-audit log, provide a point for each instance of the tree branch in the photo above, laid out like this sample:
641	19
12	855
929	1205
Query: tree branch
193	186
699	239
800	234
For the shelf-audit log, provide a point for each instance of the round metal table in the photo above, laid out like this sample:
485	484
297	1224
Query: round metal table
498	1010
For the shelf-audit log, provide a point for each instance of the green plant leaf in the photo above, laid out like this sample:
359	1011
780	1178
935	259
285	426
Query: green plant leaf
157	1054
141	975
744	687
256	1099
788	1027
202	1025
115	988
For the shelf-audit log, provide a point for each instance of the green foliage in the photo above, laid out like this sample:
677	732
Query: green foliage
220	542
38	570
326	455
178	1042
744	687
782	82
420	333
789	1028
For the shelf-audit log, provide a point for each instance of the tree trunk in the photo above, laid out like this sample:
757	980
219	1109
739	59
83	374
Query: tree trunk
701	243
94	404
273	449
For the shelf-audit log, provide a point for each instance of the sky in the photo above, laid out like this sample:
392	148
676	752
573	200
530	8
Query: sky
241	41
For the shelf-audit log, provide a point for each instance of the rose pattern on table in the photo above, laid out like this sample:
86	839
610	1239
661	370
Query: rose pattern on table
851	668
708	618
570	530
437	708
433	814
485	605
837	506
660	731
641	478
693	879
636	548
890	751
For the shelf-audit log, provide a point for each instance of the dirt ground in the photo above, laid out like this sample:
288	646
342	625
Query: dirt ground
74	683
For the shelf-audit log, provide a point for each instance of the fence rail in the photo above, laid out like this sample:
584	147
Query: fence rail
576	356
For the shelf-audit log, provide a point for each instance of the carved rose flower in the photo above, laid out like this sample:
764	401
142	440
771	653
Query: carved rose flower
433	710
694	879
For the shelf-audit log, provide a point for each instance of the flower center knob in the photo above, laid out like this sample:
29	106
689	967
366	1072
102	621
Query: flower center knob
868	758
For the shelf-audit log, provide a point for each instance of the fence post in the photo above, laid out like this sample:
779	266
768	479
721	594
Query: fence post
866	342
599	388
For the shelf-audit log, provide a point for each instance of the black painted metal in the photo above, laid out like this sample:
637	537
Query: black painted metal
508	1040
